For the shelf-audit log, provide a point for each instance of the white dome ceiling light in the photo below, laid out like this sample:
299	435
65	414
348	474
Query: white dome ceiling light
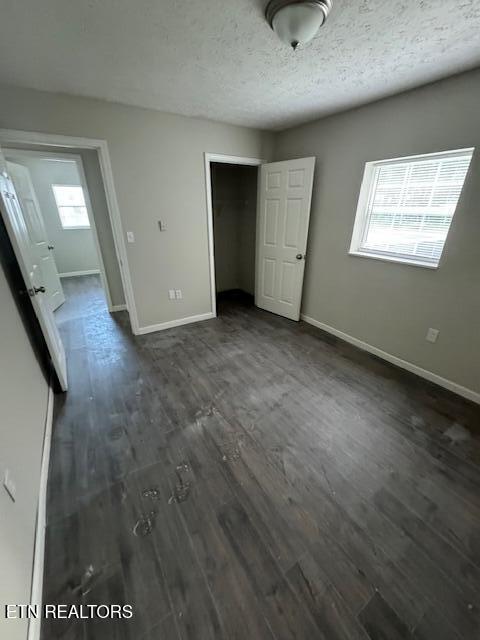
297	21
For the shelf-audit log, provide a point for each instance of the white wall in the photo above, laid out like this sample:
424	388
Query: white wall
391	306
234	203
158	168
23	402
74	248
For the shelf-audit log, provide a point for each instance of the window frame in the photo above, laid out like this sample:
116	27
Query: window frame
367	191
77	227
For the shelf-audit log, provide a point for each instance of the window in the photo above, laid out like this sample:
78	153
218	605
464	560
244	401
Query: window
406	207
71	206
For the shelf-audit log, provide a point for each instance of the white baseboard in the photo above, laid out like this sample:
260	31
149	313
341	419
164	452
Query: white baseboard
118	307
469	394
34	626
72	274
173	323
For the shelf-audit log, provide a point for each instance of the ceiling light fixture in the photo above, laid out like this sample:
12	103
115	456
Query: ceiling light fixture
297	21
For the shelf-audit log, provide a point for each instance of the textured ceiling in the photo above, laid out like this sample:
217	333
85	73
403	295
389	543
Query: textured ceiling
219	59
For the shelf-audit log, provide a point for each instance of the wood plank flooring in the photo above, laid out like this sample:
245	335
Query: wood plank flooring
251	477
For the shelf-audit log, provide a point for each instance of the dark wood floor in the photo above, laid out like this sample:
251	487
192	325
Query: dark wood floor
249	477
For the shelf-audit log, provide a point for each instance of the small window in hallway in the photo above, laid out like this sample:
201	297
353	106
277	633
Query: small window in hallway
71	206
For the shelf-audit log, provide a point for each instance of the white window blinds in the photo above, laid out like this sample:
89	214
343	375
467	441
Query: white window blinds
410	205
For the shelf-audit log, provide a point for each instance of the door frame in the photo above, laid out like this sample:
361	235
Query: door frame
223	159
17	137
77	159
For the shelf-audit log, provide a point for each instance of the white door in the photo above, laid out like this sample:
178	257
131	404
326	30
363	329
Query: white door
283	214
40	246
21	240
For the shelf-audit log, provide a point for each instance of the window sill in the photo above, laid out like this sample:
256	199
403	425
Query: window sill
75	228
398	260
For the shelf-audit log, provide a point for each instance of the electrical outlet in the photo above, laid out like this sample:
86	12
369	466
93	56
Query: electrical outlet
178	294
9	485
171	294
130	236
432	335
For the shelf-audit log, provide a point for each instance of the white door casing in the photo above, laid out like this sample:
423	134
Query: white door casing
40	245
19	235
283	214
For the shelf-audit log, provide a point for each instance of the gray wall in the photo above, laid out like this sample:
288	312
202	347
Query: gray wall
158	168
93	176
391	306
74	248
234	191
23	402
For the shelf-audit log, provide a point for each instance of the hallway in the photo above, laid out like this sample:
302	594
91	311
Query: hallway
250	477
84	297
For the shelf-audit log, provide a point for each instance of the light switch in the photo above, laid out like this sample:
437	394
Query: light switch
161	225
130	236
432	335
171	294
178	294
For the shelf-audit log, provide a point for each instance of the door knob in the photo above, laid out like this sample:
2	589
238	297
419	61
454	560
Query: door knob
51	247
299	256
39	289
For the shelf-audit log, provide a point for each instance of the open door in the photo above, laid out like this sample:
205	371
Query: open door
23	243
37	232
283	215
